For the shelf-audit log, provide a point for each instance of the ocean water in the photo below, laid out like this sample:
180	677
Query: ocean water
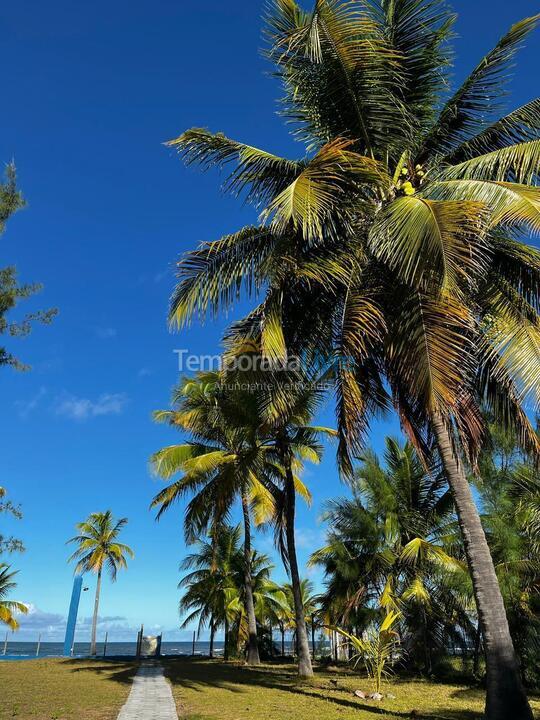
28	650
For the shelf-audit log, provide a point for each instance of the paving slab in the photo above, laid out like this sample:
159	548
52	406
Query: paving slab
150	697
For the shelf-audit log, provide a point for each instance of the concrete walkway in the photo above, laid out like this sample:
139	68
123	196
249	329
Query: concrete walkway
150	697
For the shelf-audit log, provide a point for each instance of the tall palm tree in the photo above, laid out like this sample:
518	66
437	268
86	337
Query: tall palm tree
283	617
310	605
9	607
98	547
247	445
211	586
395	248
224	460
268	596
291	407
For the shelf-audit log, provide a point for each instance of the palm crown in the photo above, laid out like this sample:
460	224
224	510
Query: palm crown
9	608
232	450
395	247
98	546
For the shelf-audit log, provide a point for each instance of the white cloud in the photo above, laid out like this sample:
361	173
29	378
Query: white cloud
52	626
106	333
39	621
76	408
26	407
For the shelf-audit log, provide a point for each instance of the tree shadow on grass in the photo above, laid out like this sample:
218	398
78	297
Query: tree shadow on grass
115	669
198	675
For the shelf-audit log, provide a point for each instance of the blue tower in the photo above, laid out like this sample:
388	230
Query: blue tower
72	616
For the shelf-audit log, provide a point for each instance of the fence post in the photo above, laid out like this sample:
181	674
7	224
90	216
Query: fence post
193	646
139	642
38	645
105	643
5	644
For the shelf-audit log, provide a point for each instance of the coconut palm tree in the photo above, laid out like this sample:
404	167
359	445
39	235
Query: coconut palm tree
214	588
9	607
98	548
223	461
283	617
395	248
244	444
291	401
211	586
268	596
392	546
310	606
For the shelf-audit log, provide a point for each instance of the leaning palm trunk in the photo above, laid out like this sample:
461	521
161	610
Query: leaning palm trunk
253	647
505	693
302	643
93	650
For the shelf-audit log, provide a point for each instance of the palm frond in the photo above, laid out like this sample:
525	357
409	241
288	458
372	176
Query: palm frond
430	348
262	173
428	241
512	331
418	31
339	73
521	125
306	204
211	278
479	96
518	163
509	205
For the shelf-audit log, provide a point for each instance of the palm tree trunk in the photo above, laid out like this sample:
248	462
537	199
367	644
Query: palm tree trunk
282	630
506	696
212	632
93	650
304	660
253	646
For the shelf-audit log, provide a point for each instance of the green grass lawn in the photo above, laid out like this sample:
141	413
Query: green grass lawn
206	690
55	689
211	690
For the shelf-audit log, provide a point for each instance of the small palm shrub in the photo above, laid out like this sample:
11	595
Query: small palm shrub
378	648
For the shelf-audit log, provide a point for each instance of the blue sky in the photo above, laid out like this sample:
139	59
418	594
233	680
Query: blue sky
90	91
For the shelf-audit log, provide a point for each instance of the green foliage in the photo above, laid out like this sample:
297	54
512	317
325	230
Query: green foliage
394	546
213	590
9	544
510	491
383	252
98	546
9	608
377	648
11	292
380	251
